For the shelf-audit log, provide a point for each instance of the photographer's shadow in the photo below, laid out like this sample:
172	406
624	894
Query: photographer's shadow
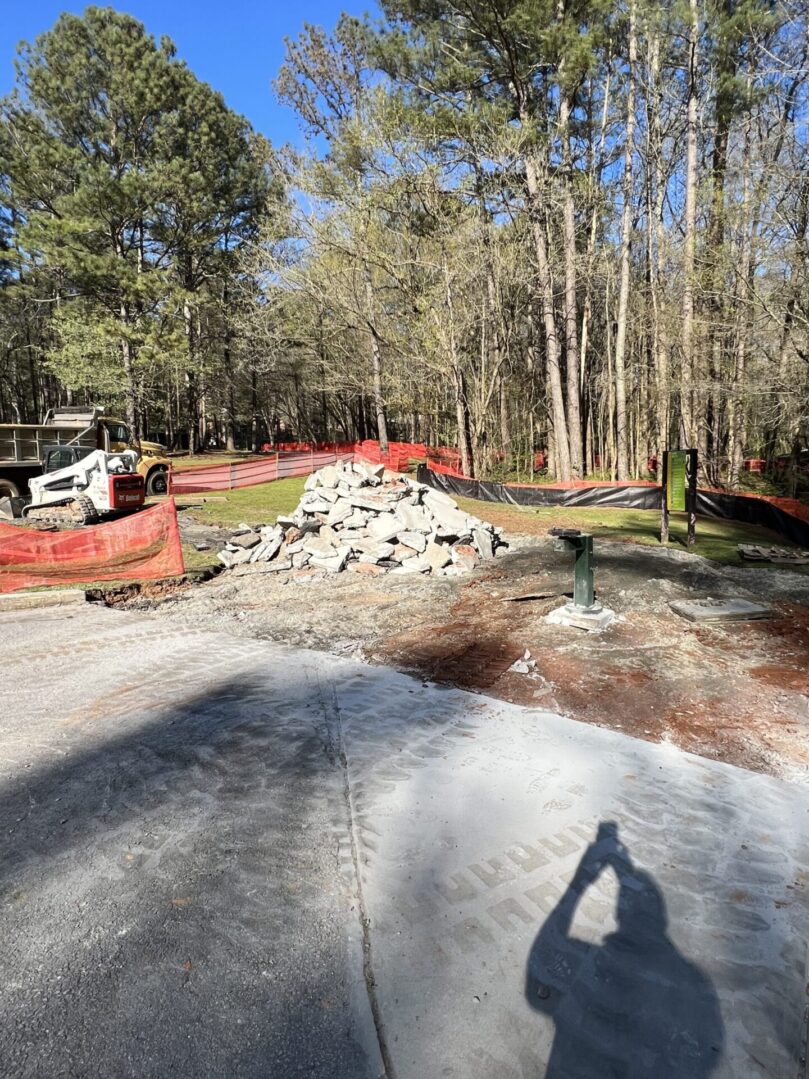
632	1007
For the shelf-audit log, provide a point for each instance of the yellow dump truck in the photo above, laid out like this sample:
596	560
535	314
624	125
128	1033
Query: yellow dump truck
25	446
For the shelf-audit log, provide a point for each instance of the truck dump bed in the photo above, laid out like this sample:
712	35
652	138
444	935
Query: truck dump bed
24	443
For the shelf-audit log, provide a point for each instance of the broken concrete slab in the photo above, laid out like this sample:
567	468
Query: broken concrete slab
384	527
415	540
483	542
434	499
372	473
450	519
436	555
246	540
329	476
733	609
318	546
367	569
419	564
465	556
414	518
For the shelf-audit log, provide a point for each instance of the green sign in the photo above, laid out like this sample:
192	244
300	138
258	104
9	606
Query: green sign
675	481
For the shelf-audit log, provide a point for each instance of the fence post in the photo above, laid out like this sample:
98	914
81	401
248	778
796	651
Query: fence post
277	460
230	476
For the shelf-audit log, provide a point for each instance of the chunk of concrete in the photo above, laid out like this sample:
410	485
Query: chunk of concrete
415	540
246	540
315	504
401	553
335	562
318	546
340	512
372	473
433	498
413	565
384	527
366	569
484	543
353	479
377	552
414	518
271	548
451	520
733	609
329	476
356	519
465	556
437	556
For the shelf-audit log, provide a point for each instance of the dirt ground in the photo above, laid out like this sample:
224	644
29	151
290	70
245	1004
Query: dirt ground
737	692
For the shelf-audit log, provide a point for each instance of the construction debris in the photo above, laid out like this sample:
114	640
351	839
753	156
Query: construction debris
733	609
781	556
365	519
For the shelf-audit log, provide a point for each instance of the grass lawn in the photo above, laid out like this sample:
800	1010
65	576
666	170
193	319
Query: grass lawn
716	539
260	504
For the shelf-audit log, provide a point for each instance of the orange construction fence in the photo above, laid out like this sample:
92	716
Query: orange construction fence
145	545
230	477
301	458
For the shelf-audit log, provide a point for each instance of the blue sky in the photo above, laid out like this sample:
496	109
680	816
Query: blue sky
235	45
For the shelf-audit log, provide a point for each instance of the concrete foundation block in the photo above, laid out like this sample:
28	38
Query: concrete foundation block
593	618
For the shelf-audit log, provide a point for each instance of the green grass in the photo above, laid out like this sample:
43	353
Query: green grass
717	540
260	504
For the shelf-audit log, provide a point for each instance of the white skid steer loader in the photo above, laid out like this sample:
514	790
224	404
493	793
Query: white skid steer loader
78	489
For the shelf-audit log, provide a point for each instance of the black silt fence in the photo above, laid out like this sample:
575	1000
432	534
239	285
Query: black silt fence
731	507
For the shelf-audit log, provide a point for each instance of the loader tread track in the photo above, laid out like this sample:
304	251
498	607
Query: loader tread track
78	511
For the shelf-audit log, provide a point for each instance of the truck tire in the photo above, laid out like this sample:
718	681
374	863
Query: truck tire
157	482
8	489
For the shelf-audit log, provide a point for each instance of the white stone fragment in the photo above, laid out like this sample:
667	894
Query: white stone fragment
437	556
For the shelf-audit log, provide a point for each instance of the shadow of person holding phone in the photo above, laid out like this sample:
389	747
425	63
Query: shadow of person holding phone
632	1007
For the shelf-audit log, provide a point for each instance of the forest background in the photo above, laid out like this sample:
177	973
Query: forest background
512	226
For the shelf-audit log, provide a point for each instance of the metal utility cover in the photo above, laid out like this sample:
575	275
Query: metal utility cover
720	610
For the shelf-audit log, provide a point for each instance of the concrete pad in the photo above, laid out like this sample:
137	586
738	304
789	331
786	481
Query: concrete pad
734	609
592	618
54	597
550	899
223	857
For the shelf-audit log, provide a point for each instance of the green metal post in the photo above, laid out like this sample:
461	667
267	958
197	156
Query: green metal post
581	544
583	583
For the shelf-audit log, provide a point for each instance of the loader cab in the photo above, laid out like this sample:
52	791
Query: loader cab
56	457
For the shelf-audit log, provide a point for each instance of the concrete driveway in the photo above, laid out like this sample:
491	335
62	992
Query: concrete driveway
224	857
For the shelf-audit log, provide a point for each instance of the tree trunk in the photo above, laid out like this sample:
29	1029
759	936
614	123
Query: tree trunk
572	357
626	239
656	239
557	410
690	225
376	359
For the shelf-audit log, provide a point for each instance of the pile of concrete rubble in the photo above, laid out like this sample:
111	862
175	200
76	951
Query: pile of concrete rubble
362	518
